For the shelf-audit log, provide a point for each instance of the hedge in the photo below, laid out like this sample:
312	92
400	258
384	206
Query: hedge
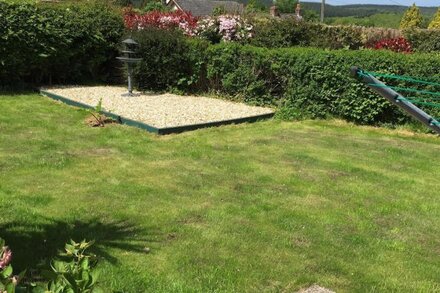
283	33
302	82
313	82
424	40
169	60
58	43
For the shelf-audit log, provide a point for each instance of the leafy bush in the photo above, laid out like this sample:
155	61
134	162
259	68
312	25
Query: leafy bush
278	33
75	271
311	82
399	45
162	20
154	6
302	82
169	60
224	27
60	43
424	40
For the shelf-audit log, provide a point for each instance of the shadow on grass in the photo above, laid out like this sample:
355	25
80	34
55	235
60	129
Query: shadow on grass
37	243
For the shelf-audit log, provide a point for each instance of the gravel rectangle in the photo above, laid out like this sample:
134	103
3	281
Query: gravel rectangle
159	110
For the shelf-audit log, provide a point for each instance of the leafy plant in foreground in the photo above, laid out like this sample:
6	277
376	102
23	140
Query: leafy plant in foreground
74	272
96	113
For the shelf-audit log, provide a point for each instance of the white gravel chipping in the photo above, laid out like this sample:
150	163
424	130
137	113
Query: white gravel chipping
159	110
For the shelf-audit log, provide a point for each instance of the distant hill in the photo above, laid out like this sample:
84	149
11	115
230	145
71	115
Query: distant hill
355	10
362	10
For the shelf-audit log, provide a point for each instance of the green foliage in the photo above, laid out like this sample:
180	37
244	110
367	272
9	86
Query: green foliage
313	82
424	40
169	60
8	281
412	18
275	33
58	43
286	6
304	82
219	10
255	6
435	23
219	207
154	5
98	115
74	272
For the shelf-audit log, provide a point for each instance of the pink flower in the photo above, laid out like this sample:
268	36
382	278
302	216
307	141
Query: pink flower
6	257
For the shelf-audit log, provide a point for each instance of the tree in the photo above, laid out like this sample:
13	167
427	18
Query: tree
435	23
412	18
255	6
286	6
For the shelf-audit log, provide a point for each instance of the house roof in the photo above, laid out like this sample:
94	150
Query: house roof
206	7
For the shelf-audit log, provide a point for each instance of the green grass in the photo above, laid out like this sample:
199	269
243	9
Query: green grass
265	207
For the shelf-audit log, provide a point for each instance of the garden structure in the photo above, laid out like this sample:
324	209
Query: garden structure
159	113
130	60
400	101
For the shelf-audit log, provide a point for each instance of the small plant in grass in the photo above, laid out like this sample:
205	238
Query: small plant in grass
74	272
98	119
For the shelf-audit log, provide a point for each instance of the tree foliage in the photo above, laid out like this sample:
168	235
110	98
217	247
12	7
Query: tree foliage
286	6
255	6
435	23
412	18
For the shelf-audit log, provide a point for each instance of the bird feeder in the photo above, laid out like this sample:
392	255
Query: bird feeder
129	52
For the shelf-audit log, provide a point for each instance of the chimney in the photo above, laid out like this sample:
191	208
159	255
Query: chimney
298	11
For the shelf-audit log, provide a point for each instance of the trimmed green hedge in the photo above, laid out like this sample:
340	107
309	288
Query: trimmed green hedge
424	40
302	82
283	33
306	82
169	60
58	43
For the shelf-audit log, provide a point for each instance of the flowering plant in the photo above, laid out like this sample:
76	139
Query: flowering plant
400	45
8	281
224	27
163	20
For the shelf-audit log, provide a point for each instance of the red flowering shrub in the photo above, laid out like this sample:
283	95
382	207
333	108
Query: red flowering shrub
164	20
400	45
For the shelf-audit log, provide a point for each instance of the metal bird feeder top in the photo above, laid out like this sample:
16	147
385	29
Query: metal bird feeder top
130	47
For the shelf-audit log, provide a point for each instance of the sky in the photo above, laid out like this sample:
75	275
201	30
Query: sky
391	2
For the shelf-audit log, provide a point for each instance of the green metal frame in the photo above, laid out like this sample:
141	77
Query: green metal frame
149	128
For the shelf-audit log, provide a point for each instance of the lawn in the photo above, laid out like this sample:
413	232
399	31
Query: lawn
265	207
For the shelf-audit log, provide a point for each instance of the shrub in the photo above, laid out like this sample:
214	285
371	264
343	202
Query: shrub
74	270
423	40
312	82
154	6
399	45
302	82
278	33
169	60
412	18
163	20
65	43
224	27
